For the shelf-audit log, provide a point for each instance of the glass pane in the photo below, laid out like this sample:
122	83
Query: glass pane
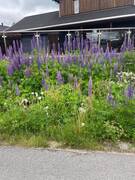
76	6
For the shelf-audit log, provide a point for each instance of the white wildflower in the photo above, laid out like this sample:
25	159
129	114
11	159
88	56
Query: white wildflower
25	101
39	98
46	107
36	94
42	93
82	110
83	124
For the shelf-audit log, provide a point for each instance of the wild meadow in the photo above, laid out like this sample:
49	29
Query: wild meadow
80	96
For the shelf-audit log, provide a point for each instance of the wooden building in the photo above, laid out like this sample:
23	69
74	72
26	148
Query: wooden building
78	14
70	7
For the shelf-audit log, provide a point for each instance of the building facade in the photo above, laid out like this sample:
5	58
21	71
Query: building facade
70	7
77	15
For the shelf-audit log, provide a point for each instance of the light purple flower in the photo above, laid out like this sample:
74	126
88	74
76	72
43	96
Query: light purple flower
10	70
39	62
75	82
110	97
107	55
53	54
17	91
115	68
28	72
90	87
129	92
44	84
59	77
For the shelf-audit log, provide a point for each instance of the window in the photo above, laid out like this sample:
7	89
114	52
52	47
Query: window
76	6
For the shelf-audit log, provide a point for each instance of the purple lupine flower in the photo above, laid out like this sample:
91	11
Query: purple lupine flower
110	98
14	46
75	82
17	91
27	72
59	48
101	50
65	59
26	60
45	58
31	59
115	68
124	45
90	87
94	49
113	53
10	70
21	47
33	43
74	44
39	62
59	77
82	44
53	54
59	57
65	44
10	52
44	84
129	92
129	44
107	54
22	60
69	58
75	59
16	63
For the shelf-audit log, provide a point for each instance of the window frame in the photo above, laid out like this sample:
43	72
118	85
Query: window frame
76	6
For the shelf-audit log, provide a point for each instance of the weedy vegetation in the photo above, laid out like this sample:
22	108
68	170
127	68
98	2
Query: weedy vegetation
80	98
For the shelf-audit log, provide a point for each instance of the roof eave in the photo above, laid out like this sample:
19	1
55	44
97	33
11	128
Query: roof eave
77	22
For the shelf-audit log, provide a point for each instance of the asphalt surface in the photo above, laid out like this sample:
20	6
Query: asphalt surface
41	164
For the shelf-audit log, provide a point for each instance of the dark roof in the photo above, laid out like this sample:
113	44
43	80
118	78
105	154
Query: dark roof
3	28
51	20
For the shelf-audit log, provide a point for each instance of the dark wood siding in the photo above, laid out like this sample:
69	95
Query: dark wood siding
104	4
124	2
67	6
89	5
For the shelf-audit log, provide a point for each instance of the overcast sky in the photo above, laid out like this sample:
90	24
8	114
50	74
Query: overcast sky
12	11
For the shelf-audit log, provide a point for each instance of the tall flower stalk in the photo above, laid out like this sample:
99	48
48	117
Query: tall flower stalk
90	87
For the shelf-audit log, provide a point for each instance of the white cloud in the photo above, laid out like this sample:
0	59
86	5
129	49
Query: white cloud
12	11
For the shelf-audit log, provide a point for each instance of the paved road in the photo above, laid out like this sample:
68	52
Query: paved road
40	164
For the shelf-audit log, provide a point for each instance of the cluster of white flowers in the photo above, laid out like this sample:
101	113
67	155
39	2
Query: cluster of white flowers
82	110
46	109
37	95
33	97
126	77
25	103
